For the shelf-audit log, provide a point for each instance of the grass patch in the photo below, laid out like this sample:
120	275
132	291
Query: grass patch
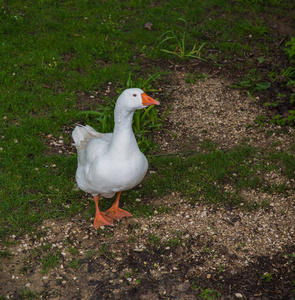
53	52
216	177
50	260
29	295
5	254
180	47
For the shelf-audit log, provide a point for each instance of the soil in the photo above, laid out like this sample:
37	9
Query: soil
194	251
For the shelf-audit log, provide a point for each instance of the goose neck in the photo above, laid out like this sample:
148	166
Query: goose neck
123	119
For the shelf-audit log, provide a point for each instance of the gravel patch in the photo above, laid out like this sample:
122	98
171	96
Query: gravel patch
196	250
211	110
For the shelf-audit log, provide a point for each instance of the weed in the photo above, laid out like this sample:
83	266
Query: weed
283	120
50	260
208	145
89	253
28	294
6	254
131	238
286	78
242	247
104	115
128	274
192	78
260	120
173	242
180	49
287	74
104	250
209	294
252	83
74	251
154	239
205	249
144	84
46	246
221	269
267	276
74	264
290	49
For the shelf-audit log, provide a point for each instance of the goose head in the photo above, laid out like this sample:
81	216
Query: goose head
133	99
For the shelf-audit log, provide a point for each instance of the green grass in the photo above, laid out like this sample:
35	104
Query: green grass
180	49
53	51
50	260
203	176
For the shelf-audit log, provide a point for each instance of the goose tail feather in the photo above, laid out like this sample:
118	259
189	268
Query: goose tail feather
82	134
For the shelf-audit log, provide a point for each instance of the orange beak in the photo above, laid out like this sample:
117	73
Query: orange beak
147	100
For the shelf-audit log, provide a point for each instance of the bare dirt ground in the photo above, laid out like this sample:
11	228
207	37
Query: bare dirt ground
194	252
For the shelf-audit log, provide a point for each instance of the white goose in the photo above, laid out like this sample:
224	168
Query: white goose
111	163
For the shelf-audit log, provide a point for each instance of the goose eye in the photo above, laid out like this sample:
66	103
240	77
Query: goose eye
134	95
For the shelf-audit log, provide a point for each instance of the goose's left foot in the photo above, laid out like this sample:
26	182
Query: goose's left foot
117	213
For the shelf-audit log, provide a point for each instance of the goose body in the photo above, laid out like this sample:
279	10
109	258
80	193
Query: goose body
112	163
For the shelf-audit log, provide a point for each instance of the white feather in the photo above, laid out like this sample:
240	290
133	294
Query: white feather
112	162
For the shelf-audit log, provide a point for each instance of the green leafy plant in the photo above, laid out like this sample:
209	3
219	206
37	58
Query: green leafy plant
144	84
290	49
286	75
260	120
209	294
286	78
267	276
221	268
173	242
252	83
144	120
104	115
180	47
285	120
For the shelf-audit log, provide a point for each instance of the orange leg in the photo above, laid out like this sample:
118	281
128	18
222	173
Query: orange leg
100	219
115	212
